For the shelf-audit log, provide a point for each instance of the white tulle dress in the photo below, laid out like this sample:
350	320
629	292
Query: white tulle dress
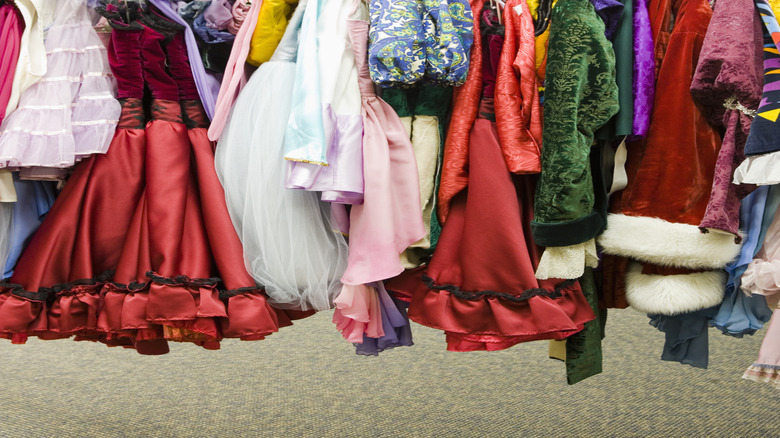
72	111
291	248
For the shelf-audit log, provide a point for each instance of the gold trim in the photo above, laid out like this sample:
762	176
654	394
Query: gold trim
320	163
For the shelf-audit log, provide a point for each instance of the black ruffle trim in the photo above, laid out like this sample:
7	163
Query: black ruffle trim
473	296
49	294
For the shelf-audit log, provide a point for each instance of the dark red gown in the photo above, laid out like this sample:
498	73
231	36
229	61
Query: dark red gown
139	247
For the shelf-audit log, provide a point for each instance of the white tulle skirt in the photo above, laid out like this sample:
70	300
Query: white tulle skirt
290	246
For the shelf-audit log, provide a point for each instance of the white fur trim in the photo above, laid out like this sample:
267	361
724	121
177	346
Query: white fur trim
673	294
657	241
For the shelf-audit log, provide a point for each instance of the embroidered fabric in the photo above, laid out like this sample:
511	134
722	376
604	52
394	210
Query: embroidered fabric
412	40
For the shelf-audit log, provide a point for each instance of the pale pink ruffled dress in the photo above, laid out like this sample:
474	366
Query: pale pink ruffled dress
763	277
389	220
72	111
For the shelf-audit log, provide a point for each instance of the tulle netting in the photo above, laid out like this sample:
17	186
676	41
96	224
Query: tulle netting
290	246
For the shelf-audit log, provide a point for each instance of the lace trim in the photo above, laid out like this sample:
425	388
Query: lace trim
106	96
732	104
301	160
227	294
473	296
96	122
567	261
763	373
74	50
76	78
31	132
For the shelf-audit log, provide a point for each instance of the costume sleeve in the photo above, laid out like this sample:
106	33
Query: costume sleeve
580	96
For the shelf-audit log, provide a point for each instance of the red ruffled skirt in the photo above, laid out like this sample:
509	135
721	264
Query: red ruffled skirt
139	248
479	286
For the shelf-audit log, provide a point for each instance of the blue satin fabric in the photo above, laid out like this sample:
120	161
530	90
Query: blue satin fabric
740	314
34	199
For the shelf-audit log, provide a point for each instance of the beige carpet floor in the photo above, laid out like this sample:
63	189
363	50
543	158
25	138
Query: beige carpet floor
307	381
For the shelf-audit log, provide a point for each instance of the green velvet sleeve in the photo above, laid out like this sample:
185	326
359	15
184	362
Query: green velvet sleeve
581	95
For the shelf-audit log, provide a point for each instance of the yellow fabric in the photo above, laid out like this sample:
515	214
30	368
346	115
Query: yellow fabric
7	188
541	40
557	349
775	5
271	23
533	6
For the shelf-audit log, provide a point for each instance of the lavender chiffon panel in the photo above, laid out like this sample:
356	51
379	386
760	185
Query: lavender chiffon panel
644	69
208	84
395	324
341	180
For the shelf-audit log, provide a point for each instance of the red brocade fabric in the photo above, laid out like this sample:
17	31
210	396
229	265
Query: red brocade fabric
139	248
479	286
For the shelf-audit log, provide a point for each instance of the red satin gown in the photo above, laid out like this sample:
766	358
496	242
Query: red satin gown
479	286
139	248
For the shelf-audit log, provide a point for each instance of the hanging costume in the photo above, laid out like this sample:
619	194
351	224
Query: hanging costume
71	112
139	247
580	96
325	116
761	277
656	221
389	220
479	286
290	246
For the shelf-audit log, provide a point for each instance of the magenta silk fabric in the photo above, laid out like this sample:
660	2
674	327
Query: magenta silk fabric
11	27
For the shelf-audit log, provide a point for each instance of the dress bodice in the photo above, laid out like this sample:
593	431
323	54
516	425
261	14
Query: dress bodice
358	35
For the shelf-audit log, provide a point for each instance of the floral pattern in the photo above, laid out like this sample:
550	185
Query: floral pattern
415	40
